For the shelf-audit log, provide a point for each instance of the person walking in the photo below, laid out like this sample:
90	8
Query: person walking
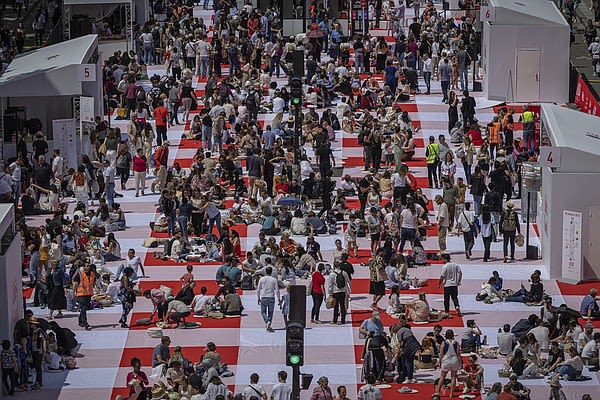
109	181
509	224
443	222
450	278
126	295
140	165
427	70
84	281
161	158
339	288
487	231
466	225
432	154
377	278
267	290
57	300
467	108
445	69
449	361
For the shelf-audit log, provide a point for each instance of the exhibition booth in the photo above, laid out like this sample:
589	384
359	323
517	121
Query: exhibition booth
569	209
58	85
11	285
525	52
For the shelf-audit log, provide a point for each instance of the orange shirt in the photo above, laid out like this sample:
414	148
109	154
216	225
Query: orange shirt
160	115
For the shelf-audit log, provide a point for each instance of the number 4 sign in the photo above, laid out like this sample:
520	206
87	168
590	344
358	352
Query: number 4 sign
87	73
549	157
487	13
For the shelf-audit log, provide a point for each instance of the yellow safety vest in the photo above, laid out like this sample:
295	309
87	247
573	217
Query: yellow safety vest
433	153
528	117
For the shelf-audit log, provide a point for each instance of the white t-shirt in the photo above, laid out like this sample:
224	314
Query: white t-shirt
505	342
281	391
589	349
57	166
146	38
541	334
200	301
278	104
252	390
452	274
409	220
135	263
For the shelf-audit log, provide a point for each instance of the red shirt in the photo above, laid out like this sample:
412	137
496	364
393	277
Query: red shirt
475	136
317	281
160	115
140	377
506	396
139	164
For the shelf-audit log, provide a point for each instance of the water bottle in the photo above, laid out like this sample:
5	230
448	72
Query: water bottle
484	340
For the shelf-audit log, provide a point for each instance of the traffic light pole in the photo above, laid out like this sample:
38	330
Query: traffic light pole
295	383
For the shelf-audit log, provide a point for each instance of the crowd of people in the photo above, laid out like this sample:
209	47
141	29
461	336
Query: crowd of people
243	173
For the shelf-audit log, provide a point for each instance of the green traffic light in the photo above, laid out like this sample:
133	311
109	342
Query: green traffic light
296	101
294	359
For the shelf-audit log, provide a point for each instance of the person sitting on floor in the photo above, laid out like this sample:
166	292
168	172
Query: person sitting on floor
419	310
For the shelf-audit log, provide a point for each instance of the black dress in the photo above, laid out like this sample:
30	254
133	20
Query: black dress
56	291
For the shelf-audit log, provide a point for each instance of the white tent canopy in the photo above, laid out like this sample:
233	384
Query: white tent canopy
49	71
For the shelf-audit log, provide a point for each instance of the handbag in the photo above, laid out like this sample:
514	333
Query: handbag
519	240
330	303
102	148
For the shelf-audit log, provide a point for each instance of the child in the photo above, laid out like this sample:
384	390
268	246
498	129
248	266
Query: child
394	307
23	367
188	277
284	304
9	367
388	150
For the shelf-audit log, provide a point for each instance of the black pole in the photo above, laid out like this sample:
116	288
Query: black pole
295	383
527	227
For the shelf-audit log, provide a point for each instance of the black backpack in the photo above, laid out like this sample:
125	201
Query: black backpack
340	280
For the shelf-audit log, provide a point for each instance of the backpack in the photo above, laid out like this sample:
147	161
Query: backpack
251	100
340	280
510	221
247	283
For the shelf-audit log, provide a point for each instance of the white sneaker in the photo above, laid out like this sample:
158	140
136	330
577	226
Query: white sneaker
465	390
406	381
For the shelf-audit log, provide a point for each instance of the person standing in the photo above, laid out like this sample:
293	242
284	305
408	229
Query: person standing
56	291
317	293
377	278
509	224
267	290
161	158
450	277
445	69
161	115
432	154
443	222
508	127
38	348
467	109
427	70
15	170
449	361
84	281
464	60
140	165
528	119
487	231
126	295
339	288
466	224
450	194
281	390
109	181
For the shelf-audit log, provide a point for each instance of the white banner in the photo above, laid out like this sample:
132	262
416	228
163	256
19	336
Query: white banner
64	134
86	109
571	247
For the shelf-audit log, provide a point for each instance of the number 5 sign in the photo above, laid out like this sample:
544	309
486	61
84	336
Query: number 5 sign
87	73
487	13
549	157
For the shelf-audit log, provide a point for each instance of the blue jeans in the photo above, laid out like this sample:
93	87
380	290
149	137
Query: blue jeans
275	65
517	297
148	54
212	221
204	66
427	79
359	61
567	370
477	203
120	270
267	305
182	221
406	234
110	194
467	169
207	136
463	74
171	224
529	135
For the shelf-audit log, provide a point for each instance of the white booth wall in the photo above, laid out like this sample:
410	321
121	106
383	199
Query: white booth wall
11	285
572	191
500	46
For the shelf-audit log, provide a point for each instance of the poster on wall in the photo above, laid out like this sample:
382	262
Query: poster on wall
571	246
65	138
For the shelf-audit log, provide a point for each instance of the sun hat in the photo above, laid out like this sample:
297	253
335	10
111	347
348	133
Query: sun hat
510	204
